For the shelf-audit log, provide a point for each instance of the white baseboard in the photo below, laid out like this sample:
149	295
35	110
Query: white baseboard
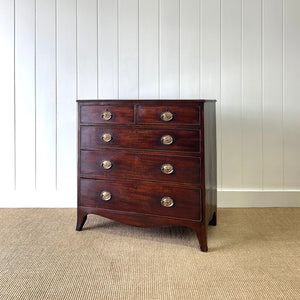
232	198
38	199
259	198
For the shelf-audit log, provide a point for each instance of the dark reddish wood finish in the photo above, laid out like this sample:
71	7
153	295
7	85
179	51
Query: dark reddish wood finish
135	180
139	138
141	197
150	114
120	114
140	166
210	172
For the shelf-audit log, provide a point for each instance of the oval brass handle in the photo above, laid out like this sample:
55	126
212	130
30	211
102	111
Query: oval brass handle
106	164
106	137
105	195
106	115
166	116
167	168
166	140
167	201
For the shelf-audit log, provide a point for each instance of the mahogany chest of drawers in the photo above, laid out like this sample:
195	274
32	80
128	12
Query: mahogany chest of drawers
148	163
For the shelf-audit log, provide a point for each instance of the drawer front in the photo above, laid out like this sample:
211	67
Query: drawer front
106	114
168	114
141	198
152	139
141	166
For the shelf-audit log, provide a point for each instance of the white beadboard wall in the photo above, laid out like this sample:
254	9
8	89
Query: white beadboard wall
244	53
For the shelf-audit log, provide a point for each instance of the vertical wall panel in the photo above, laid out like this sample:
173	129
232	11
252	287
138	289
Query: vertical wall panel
7	157
87	49
210	49
108	49
251	96
148	49
189	48
45	94
272	95
231	94
25	93
169	49
210	64
291	94
66	95
128	51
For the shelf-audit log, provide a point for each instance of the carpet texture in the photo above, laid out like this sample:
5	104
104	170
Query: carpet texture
252	254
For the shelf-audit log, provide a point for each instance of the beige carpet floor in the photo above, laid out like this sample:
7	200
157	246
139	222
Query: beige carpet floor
253	254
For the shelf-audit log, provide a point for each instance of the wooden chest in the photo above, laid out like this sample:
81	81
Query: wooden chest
148	163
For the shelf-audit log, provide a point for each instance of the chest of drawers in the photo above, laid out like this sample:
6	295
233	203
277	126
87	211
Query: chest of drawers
148	163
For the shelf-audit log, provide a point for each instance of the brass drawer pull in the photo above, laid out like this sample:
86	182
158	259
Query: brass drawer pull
106	115
166	116
106	137
167	201
105	195
167	168
167	140
106	164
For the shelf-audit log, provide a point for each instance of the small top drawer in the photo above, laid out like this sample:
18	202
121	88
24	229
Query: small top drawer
168	114
106	114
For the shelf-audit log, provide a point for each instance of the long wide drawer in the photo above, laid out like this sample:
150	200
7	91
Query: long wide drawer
146	198
110	164
140	138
